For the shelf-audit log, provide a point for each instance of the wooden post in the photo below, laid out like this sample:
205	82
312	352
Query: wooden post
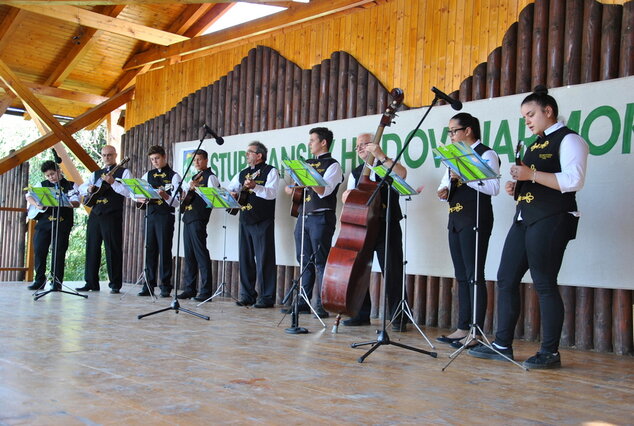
431	303
603	319
333	83
444	303
591	41
524	49
540	43
494	62
479	81
583	328
610	38
508	61
531	313
568	330
556	31
420	298
622	321
572	42
626	57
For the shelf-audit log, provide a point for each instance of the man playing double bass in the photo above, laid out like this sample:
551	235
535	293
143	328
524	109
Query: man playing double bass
366	149
317	217
105	223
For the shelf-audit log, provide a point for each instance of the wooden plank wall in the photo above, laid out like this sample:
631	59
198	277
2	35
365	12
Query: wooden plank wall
13	223
555	42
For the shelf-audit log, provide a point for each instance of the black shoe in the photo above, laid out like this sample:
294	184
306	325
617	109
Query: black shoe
184	295
485	352
202	297
35	286
301	309
321	313
86	288
56	287
166	293
458	344
244	303
145	292
263	305
448	340
543	360
115	291
354	322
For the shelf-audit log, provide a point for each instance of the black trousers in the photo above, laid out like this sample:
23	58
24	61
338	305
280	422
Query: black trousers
318	232
196	258
160	231
462	246
257	261
44	236
109	230
395	267
539	248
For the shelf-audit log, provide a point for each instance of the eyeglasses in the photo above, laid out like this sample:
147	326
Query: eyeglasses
454	131
251	152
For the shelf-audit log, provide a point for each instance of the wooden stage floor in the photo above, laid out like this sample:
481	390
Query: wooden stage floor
66	360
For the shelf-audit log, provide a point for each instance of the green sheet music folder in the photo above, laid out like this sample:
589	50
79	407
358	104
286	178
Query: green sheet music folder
465	162
398	183
218	198
303	173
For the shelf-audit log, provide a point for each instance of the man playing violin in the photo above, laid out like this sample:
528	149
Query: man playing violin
160	223
105	223
317	217
257	227
369	151
196	217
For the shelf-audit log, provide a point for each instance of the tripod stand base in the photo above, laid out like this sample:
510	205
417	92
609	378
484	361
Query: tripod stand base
175	306
384	339
41	294
296	330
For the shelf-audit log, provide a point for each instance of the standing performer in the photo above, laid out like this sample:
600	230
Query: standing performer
365	149
45	234
546	218
319	220
462	223
105	223
257	227
160	223
196	217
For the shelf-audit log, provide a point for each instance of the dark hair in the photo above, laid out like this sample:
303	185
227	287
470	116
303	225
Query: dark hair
323	134
48	165
202	153
156	149
467	120
260	149
541	97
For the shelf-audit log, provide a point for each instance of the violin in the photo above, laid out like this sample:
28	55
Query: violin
196	180
347	273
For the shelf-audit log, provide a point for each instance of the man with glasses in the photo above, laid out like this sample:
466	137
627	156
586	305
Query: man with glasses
105	223
259	183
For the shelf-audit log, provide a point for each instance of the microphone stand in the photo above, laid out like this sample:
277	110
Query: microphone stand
175	305
384	338
296	292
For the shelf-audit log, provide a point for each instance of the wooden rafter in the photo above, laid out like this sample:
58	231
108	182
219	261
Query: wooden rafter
78	51
25	153
71	95
28	98
291	16
131	2
106	23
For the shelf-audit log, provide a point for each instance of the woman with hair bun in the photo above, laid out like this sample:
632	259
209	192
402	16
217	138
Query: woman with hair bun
552	171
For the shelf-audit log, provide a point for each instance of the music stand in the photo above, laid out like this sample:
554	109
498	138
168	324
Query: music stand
141	189
305	176
219	198
470	167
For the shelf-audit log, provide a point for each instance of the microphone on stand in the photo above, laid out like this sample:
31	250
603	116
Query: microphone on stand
208	131
455	103
58	160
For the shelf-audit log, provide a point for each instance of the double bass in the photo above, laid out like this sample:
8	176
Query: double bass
347	273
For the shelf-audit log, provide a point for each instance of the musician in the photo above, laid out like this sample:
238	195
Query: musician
546	217
45	229
105	222
367	149
461	226
257	228
196	217
160	223
317	217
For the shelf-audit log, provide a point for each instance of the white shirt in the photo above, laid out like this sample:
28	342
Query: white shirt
490	186
333	177
268	191
573	159
175	181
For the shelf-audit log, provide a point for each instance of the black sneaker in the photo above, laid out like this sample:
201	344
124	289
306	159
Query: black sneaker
485	352
36	286
115	291
145	292
301	309
244	303
185	295
166	293
543	360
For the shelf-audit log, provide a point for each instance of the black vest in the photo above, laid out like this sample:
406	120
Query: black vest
66	214
537	201
197	209
462	203
159	179
110	202
257	209
313	200
394	202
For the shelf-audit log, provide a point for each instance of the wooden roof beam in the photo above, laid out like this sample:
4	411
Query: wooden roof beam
28	98
106	23
208	19
79	50
289	17
25	153
133	2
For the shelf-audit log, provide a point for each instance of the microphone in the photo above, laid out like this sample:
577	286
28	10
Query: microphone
58	160
208	131
455	103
